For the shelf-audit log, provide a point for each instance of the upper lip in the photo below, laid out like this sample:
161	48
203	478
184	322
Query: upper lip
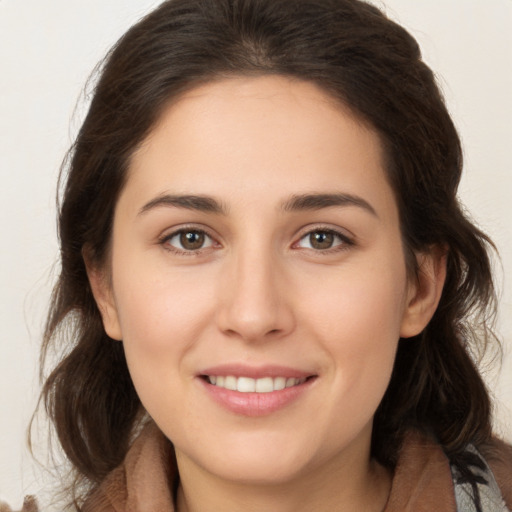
256	372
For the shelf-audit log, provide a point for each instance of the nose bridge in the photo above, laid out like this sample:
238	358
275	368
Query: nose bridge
254	303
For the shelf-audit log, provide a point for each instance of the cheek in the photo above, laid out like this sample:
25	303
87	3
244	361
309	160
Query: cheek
161	322
362	305
157	306
358	318
162	315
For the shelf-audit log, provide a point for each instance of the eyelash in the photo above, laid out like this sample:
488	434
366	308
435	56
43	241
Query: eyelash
164	241
345	242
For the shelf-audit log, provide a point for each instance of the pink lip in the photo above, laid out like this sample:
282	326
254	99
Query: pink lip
255	404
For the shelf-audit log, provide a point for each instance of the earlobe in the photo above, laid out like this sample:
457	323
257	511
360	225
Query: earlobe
104	297
424	291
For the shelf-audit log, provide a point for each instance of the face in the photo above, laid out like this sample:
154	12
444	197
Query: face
257	279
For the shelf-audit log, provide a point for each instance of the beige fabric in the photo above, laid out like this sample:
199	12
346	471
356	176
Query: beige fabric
143	482
422	480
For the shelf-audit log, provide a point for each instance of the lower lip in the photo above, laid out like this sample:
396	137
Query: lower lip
255	404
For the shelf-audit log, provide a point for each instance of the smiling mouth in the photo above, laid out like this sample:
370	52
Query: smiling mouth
250	385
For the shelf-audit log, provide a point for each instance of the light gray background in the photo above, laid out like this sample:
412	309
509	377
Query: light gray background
47	50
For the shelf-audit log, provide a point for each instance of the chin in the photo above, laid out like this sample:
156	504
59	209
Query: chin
255	469
258	458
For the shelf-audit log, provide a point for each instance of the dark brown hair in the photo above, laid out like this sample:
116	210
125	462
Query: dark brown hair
367	62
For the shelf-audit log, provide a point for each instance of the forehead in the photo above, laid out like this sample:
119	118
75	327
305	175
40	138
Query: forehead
252	137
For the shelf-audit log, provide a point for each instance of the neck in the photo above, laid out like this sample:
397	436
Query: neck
336	486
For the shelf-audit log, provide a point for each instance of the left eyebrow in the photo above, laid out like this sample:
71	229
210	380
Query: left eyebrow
320	201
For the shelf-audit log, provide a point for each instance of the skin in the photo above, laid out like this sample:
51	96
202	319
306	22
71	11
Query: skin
257	292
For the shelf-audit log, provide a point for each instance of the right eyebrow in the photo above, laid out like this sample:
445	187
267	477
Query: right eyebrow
189	202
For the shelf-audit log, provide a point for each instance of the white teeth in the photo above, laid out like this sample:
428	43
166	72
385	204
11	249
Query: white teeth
265	385
279	383
290	382
230	383
248	385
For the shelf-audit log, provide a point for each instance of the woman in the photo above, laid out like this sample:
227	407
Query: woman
272	289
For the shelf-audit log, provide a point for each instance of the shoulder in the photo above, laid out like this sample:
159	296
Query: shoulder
29	505
422	479
110	496
141	482
477	480
482	477
498	456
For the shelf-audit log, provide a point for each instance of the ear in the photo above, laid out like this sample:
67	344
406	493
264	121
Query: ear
101	287
424	291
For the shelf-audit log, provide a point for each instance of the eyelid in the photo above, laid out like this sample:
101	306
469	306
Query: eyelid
347	240
172	232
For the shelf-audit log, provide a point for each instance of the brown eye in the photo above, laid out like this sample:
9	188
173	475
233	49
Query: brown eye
189	240
324	239
321	240
192	240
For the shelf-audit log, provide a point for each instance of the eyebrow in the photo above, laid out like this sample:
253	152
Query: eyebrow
319	201
208	204
190	202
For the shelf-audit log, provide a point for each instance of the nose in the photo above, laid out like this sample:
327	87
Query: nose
253	301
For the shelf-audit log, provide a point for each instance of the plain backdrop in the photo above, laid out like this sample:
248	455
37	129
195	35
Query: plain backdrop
48	49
